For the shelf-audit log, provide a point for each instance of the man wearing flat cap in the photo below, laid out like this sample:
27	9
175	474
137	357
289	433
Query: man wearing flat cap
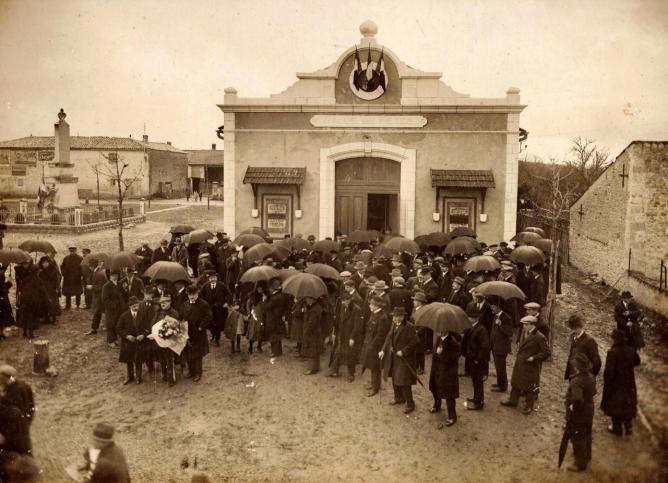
533	309
114	304
104	461
531	353
398	357
377	327
72	277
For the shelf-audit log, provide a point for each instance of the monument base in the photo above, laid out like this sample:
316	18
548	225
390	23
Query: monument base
66	196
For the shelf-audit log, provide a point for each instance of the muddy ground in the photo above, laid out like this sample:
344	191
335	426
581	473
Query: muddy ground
254	419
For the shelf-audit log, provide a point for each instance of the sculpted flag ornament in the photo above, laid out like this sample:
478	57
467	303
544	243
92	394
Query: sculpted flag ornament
369	78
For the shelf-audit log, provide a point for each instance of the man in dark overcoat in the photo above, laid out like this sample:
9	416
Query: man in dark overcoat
86	275
398	356
276	309
459	296
475	347
197	313
400	296
420	300
224	250
14	434
429	287
444	375
313	340
377	327
580	409
18	394
180	296
582	342
180	255
98	280
218	297
479	306
32	299
131	334
104	461
531	353
132	285
620	397
500	340
114	305
538	289
627	316
162	253
72	277
348	330
145	254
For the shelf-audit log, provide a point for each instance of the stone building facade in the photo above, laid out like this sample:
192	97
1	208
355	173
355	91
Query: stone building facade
327	156
26	161
619	226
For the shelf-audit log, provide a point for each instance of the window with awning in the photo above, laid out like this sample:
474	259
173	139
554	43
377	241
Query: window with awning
270	175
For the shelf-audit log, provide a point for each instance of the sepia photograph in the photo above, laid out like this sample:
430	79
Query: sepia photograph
333	241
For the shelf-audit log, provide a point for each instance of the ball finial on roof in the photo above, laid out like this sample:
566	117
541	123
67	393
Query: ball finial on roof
368	28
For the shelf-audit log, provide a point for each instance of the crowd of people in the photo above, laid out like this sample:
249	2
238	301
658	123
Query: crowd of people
366	319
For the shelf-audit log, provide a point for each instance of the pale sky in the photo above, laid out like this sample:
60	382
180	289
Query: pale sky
595	68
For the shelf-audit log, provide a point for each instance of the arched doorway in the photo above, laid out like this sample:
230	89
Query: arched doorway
367	194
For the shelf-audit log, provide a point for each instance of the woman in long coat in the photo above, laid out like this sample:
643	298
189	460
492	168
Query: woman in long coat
444	375
32	300
48	273
255	307
620	398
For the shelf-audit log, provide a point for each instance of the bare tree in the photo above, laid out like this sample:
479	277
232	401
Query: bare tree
588	160
95	168
115	171
561	194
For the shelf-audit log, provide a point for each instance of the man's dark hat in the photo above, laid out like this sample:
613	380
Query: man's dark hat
191	289
399	311
626	295
420	297
379	301
618	335
133	301
103	432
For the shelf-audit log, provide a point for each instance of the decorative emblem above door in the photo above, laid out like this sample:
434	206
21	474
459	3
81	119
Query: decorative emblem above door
368	80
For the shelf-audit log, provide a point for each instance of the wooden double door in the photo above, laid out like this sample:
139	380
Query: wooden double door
367	195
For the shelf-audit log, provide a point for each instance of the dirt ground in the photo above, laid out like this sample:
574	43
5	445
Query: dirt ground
252	418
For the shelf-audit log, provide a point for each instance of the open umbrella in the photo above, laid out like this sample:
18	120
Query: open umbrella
294	244
120	260
197	236
91	259
181	229
526	237
390	236
326	246
435	239
442	318
382	251
13	255
323	271
482	263
402	245
462	231
375	234
505	290
248	240
535	229
286	273
527	255
255	230
34	246
360	236
257	253
543	244
471	240
170	271
460	246
280	252
305	285
259	274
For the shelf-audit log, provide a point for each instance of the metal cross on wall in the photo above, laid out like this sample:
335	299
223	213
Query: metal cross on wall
624	174
581	212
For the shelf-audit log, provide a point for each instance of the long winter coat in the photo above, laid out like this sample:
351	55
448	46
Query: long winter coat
199	317
587	345
633	315
111	466
217	298
161	255
401	297
276	307
256	317
297	328
620	398
377	328
98	281
526	375
475	347
444	377
401	369
72	275
147	258
113	302
129	325
6	314
313	342
502	334
581	391
349	325
33	300
50	279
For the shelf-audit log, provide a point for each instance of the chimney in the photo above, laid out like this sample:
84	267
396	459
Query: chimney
145	138
213	147
169	143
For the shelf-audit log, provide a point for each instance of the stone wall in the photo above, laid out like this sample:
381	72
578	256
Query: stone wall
168	167
597	238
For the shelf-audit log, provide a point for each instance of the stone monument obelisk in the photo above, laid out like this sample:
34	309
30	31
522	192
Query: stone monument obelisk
65	183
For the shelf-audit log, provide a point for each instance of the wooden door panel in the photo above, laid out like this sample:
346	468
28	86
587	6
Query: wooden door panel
350	212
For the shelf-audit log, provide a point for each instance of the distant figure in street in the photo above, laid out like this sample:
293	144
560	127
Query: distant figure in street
580	409
620	398
72	277
628	316
581	342
104	461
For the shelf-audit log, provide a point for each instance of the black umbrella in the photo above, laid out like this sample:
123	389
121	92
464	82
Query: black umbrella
259	274
91	259
563	446
360	236
527	255
34	246
197	236
399	244
257	253
535	229
462	231
305	285
526	237
442	318
181	229
543	244
323	271
13	255
436	239
170	271
120	260
294	244
482	263
255	230
326	246
505	290
248	240
286	273
460	246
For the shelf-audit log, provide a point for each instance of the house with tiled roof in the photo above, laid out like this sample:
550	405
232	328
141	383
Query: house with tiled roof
205	171
26	162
